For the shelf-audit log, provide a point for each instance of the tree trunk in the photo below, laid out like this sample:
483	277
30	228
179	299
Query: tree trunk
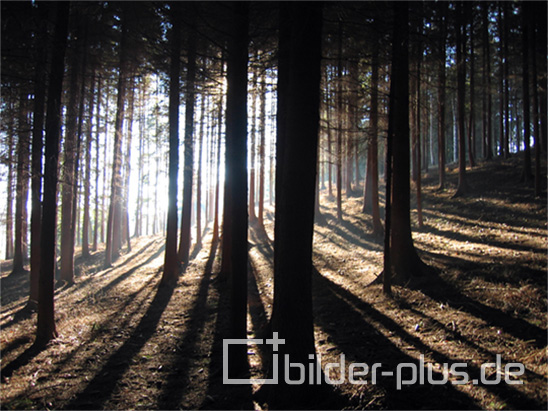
462	187
10	176
97	148
68	191
371	184
441	96
21	189
488	137
200	143
262	138
171	261
472	121
113	239
46	322
37	151
87	177
236	178
404	260
297	140
526	175
253	149
534	88
184	242
339	124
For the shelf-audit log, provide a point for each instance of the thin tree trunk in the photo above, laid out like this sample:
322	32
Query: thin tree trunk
262	138
339	124
441	97
200	143
113	240
87	177
472	120
10	177
97	149
462	187
23	152
526	175
486	53
184	242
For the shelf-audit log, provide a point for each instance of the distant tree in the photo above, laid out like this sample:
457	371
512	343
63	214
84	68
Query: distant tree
487	128
296	158
21	189
68	186
87	176
526	175
171	262
113	233
462	187
46	322
262	142
371	185
442	50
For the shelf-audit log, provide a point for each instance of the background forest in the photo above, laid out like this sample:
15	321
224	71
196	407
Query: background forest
363	178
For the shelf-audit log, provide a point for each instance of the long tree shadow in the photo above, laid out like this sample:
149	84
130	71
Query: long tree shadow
23	359
359	339
100	389
219	395
440	290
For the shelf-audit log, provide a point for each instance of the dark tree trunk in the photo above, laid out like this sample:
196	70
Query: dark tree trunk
371	184
215	237
184	242
488	136
46	322
339	123
201	140
37	152
526	175
262	142
10	176
472	121
97	171
297	140
171	262
534	88
113	239
441	96
236	178
462	187
21	189
68	186
87	176
404	260
253	149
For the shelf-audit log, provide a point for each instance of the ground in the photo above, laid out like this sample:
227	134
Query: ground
125	343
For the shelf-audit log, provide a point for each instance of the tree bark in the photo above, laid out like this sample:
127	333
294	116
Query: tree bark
441	96
236	178
46	330
184	242
171	261
404	260
297	140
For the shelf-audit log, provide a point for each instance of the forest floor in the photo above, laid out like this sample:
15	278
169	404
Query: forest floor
125	343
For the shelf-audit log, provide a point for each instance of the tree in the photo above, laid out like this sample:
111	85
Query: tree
462	187
46	322
113	233
526	175
487	106
441	94
371	185
296	159
68	186
21	190
236	178
190	97
37	152
405	262
171	262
